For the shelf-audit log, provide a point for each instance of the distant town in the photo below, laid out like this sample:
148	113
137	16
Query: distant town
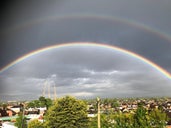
36	109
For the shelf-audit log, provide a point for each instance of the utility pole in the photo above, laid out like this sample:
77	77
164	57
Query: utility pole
98	112
23	116
44	89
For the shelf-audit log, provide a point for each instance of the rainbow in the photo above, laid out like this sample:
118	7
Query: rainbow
90	44
127	21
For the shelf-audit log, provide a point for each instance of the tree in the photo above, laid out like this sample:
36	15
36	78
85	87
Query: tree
35	124
67	112
123	120
45	102
42	102
114	104
48	102
21	121
36	103
106	121
153	118
31	105
158	118
4	106
141	117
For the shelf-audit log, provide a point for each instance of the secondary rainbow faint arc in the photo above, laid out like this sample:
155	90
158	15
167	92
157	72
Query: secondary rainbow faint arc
157	67
105	17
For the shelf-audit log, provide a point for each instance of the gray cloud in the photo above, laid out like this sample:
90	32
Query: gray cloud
84	72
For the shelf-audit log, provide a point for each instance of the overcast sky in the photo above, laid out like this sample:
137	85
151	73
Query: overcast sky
142	27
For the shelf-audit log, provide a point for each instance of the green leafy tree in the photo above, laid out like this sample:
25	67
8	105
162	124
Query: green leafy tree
31	105
141	118
42	102
36	103
48	102
153	118
35	124
114	104
21	121
67	112
158	118
45	102
106	121
123	120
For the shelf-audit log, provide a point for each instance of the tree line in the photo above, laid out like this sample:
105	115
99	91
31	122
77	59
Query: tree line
69	112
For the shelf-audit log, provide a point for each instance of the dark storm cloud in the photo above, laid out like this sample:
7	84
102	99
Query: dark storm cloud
85	29
139	41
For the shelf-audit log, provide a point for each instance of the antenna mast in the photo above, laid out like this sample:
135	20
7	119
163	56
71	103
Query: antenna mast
55	92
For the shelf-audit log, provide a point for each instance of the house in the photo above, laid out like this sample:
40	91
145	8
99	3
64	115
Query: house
10	112
16	108
3	112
